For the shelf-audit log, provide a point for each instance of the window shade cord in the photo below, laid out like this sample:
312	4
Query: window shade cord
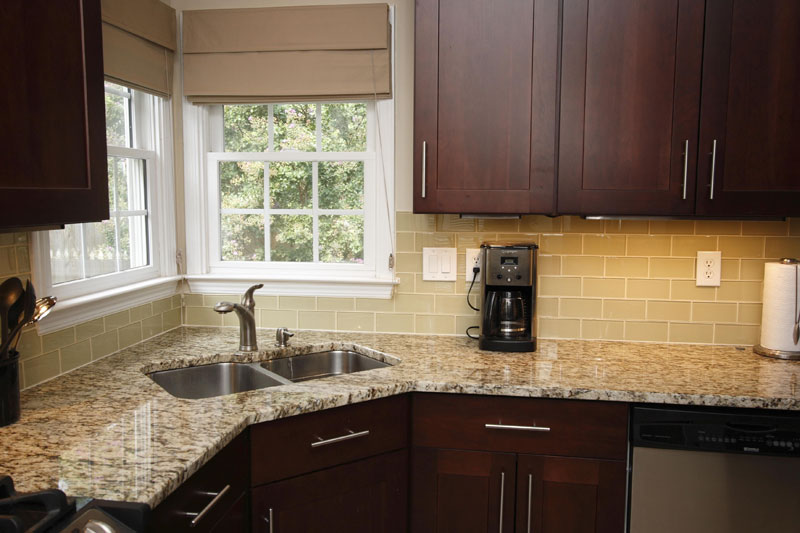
383	162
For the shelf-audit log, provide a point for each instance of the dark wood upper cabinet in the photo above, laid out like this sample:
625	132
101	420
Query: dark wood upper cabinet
485	96
750	110
51	94
630	97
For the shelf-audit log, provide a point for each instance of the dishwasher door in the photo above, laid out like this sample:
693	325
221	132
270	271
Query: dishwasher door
683	491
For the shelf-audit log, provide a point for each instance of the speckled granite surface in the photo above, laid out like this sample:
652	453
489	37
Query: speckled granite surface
108	431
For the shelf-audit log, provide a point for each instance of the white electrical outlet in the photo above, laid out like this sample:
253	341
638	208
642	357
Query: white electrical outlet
473	260
709	268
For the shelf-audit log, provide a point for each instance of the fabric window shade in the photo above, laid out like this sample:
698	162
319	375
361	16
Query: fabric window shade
139	41
334	52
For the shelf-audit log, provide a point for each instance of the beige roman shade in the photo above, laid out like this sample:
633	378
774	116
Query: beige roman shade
139	39
274	54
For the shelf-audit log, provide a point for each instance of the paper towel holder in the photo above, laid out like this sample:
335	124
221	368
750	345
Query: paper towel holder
780	354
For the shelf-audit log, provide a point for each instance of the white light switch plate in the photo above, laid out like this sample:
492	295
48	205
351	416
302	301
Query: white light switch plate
439	264
709	269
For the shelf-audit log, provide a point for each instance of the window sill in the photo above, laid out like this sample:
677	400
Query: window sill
84	308
293	286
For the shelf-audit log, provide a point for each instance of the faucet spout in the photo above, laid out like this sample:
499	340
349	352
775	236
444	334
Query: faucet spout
247	319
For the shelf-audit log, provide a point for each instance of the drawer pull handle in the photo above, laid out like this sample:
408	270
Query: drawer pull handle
685	166
502	494
424	167
268	520
217	497
517	428
334	440
713	167
530	492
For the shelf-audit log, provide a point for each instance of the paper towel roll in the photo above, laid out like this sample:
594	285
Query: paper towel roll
781	305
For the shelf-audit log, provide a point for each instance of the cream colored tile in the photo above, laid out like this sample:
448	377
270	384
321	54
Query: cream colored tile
741	246
560	244
23	259
6	239
375	304
177	300
316	320
518	238
406	285
648	245
540	224
454	223
210	300
752	269
736	334
152	326
394	322
89	329
405	241
444	325
646	331
21	237
602	329
794	226
104	344
436	287
750	313
778	247
452	305
203	316
41	368
627	226
194	300
54	341
765	227
559	286
230	319
464	322
271	318
305	303
355	321
647	288
424	222
336	304
582	265
506	225
404	221
434	240
161	306
172	318
76	355
730	269
703	333
689	245
687	290
129	335
713	312
414	303
717	227
266	302
672	227
141	312
603	287
473	240
580	308
407	262
671	268
544	306
625	309
663	310
559	328
117	320
740	291
604	244
8	261
548	265
30	343
627	267
581	225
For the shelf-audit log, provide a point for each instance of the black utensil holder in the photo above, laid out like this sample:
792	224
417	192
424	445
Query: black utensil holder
9	389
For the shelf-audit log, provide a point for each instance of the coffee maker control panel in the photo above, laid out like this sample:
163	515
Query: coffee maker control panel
508	267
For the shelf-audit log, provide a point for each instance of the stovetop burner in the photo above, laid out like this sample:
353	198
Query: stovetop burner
32	512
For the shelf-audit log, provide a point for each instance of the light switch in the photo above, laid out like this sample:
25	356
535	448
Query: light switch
439	264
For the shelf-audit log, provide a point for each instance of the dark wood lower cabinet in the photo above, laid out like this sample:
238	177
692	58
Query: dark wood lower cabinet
236	519
368	496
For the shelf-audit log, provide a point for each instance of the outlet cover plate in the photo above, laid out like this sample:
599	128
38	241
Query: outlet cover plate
709	269
439	264
473	257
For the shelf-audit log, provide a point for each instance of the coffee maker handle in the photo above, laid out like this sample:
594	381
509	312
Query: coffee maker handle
491	320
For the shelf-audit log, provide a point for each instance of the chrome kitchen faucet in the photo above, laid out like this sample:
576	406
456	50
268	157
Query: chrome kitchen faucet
247	319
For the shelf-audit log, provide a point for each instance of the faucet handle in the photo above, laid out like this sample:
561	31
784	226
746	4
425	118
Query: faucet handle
247	297
282	337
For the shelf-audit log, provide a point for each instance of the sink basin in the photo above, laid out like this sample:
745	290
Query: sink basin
216	379
321	364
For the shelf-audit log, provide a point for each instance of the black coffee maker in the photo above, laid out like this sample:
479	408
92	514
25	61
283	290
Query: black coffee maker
508	297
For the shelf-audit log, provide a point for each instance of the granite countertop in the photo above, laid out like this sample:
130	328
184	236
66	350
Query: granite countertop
107	431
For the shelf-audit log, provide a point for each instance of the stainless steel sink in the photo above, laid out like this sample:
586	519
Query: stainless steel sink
216	379
321	365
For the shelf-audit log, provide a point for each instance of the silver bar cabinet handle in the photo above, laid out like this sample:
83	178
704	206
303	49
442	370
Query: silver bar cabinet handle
517	428
424	166
713	167
530	491
334	440
685	165
217	496
502	494
269	520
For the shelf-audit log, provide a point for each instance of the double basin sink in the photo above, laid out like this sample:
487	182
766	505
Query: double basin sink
227	378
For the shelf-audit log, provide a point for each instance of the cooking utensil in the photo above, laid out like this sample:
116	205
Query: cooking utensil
30	307
42	308
796	331
10	292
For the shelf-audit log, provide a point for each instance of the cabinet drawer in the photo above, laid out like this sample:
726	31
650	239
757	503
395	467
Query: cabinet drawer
227	469
300	444
574	428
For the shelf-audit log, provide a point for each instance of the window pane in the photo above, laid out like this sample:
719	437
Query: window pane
246	128
341	239
341	184
241	184
242	237
290	185
291	238
99	238
295	127
128	181
117	116
134	242
65	254
344	127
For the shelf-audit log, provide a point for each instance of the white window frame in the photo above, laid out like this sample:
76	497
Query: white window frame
86	299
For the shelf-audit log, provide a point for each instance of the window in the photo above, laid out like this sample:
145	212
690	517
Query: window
82	260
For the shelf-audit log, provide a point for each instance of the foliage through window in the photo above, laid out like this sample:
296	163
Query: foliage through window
292	182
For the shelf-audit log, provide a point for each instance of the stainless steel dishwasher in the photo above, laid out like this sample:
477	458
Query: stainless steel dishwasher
714	471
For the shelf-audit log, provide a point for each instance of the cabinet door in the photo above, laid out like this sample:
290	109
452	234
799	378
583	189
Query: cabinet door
462	491
236	519
51	93
570	495
485	106
367	496
630	89
750	118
